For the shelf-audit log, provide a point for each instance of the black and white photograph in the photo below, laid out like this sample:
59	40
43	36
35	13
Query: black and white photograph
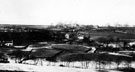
67	35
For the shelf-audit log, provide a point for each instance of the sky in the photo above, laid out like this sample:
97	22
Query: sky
46	12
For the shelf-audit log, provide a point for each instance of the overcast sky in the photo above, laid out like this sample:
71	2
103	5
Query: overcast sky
45	12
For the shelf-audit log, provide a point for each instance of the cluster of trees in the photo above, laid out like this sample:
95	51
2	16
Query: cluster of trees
23	38
101	59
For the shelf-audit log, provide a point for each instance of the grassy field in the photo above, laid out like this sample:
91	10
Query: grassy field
105	34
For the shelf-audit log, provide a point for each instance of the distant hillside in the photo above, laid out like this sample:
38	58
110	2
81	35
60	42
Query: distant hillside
27	26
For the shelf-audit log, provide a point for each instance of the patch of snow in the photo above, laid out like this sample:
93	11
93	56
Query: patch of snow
24	67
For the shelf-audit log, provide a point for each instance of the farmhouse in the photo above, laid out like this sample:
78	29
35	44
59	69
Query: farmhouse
6	43
115	45
131	43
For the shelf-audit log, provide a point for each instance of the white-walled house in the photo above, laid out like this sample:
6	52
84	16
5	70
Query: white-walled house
131	43
115	45
8	43
80	37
